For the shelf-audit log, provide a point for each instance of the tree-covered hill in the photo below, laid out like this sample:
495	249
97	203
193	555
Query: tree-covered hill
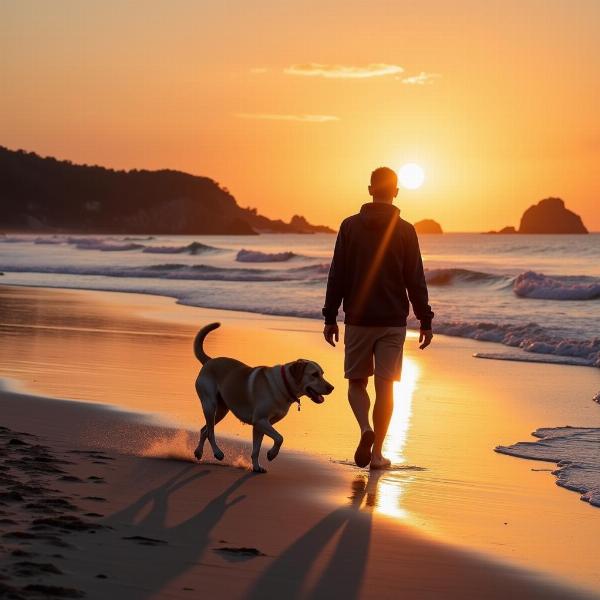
46	194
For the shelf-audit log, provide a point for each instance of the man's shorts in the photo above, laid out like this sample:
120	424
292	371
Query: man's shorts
365	344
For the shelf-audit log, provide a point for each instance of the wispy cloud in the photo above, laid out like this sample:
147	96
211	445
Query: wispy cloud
344	71
422	78
276	117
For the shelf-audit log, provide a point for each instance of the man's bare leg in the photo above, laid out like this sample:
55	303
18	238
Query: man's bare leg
360	403
382	414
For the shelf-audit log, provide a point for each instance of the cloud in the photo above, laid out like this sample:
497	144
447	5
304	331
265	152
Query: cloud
421	79
275	117
344	71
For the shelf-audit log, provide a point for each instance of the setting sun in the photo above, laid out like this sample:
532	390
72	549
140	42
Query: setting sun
194	195
411	176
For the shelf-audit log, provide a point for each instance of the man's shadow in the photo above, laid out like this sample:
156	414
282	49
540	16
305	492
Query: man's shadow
342	576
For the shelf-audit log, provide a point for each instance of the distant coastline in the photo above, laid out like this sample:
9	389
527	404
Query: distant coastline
46	195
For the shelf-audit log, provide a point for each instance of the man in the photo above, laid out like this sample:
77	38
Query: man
376	262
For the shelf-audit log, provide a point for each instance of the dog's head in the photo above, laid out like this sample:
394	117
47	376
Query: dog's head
308	379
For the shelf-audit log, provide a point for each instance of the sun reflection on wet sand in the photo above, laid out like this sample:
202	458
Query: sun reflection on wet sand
386	488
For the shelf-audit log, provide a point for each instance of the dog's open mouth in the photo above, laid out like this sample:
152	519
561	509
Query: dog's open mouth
314	395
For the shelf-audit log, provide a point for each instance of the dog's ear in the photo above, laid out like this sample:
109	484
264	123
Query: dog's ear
297	369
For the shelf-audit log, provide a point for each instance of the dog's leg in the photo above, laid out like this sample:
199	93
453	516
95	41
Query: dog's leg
220	414
214	410
200	448
264	427
257	438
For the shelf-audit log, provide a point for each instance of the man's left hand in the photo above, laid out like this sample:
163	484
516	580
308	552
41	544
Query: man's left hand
425	337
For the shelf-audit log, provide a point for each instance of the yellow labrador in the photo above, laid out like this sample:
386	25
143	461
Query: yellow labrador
258	396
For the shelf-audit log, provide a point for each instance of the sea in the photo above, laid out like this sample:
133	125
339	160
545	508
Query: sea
538	295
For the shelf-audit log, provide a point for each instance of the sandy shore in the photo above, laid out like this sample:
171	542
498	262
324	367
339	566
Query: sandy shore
79	517
314	526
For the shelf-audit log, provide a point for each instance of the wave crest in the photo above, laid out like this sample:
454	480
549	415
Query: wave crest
455	275
257	256
536	285
193	248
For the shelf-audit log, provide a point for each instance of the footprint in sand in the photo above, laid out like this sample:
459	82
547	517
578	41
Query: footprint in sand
145	541
239	554
34	569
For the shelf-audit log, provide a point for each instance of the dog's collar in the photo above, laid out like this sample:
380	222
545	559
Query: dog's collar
288	389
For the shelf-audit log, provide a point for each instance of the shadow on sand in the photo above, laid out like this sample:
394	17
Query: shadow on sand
347	527
154	505
342	575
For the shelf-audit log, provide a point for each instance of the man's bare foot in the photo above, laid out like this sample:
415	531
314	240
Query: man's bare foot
380	462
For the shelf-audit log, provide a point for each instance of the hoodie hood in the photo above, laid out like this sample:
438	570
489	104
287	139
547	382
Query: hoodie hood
377	215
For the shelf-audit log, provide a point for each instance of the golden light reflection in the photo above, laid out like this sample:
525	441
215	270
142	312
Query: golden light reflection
403	399
385	488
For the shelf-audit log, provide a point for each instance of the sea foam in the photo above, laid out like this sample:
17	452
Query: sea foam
574	449
530	337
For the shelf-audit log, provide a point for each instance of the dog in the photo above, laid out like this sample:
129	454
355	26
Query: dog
258	396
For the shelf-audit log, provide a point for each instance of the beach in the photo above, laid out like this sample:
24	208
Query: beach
112	374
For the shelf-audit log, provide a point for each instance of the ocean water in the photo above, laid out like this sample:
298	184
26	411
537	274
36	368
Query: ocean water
538	295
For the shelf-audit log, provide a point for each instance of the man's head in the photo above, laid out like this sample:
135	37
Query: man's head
384	185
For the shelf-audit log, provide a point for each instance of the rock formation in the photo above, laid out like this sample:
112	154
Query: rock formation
551	216
428	226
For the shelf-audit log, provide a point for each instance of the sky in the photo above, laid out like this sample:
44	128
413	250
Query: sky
291	105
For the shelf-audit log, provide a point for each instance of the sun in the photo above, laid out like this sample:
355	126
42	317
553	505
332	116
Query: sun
411	176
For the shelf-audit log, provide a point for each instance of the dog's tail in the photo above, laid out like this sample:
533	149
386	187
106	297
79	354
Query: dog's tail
199	341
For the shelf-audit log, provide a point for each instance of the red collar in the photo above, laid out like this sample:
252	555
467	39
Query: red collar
288	389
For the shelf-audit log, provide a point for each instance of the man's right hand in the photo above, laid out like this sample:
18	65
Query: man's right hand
331	333
425	337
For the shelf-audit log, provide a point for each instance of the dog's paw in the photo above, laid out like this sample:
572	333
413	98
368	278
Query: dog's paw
198	454
272	453
219	455
259	469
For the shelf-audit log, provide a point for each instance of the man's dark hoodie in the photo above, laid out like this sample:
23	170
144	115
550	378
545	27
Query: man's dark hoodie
375	264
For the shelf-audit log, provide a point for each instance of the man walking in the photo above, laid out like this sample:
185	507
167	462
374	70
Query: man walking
376	269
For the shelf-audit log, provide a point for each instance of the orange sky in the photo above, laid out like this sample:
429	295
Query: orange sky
291	104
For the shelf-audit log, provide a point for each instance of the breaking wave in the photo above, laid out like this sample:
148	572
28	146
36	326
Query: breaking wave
536	285
105	246
193	248
530	337
257	256
452	276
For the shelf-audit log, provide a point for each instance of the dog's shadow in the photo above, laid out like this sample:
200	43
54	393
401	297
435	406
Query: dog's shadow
153	508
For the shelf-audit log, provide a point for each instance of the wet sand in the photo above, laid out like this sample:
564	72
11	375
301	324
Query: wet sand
93	510
452	410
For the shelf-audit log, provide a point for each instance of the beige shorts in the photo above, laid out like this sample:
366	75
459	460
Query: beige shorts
363	344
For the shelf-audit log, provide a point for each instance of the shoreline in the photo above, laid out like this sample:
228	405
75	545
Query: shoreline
163	526
134	352
505	351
